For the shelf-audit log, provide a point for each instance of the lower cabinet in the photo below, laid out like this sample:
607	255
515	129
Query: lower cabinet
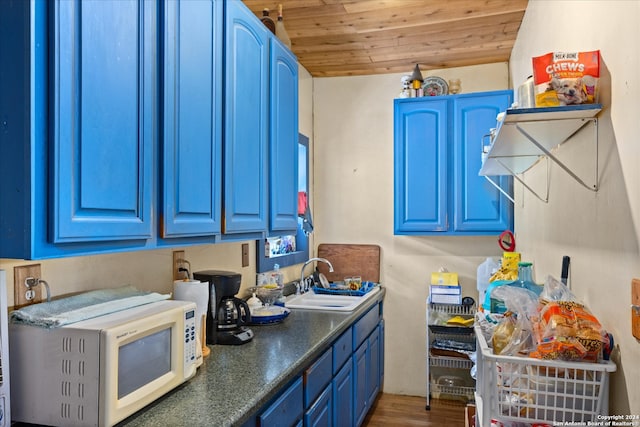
366	375
340	386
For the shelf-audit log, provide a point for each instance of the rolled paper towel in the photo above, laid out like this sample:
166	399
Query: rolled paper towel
194	291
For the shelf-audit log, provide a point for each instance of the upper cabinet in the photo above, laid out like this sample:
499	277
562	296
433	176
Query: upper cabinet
283	140
191	172
122	122
246	121
437	146
77	107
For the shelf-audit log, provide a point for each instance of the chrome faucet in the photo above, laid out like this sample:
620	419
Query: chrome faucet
301	286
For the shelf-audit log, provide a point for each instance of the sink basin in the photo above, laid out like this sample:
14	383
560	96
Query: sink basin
313	301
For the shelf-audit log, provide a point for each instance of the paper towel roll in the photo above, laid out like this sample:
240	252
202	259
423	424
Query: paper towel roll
194	291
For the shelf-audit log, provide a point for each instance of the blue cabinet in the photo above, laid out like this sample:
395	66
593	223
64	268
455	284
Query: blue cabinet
246	121
283	140
366	375
113	119
78	115
343	396
437	157
321	412
191	153
340	386
288	408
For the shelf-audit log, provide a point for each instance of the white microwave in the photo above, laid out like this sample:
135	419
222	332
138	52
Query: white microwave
97	372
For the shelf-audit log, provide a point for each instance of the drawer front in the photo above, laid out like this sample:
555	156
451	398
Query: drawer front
342	349
320	414
317	376
287	409
365	326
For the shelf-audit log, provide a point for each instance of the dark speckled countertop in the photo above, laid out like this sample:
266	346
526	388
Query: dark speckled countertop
234	382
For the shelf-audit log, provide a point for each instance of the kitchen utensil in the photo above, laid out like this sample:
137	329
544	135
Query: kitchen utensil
269	315
350	260
564	275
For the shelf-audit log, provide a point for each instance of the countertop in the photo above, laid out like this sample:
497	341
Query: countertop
234	382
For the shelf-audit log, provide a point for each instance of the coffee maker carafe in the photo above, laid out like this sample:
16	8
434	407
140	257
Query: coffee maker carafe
227	316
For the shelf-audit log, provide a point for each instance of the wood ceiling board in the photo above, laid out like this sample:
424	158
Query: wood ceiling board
357	32
350	260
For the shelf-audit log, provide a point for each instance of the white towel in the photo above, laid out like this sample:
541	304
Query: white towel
84	306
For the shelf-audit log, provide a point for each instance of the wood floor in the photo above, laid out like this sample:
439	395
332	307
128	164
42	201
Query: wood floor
396	410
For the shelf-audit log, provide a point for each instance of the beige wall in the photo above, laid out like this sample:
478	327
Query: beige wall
152	270
599	231
353	131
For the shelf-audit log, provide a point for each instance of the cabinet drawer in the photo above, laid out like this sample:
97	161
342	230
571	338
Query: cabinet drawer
287	409
317	376
342	349
365	326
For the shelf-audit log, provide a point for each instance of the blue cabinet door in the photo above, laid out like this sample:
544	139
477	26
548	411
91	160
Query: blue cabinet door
192	118
360	372
287	409
478	205
420	173
283	140
319	414
343	396
246	116
102	120
373	377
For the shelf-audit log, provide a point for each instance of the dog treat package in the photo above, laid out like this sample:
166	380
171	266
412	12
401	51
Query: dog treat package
566	78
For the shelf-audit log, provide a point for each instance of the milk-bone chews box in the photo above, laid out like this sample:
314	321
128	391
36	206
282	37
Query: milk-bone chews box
566	78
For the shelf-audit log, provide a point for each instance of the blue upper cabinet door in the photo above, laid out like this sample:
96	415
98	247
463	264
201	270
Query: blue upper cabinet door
102	117
420	172
478	205
246	116
192	120
283	141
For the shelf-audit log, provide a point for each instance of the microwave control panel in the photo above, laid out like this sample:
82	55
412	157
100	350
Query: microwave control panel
189	339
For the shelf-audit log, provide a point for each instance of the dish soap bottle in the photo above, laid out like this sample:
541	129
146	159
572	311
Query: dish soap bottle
281	32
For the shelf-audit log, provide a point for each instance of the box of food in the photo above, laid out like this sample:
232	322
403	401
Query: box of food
566	78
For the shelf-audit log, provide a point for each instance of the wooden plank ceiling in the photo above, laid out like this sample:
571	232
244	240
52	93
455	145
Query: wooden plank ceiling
362	37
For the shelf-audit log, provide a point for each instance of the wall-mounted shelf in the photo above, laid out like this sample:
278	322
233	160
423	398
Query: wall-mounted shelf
527	135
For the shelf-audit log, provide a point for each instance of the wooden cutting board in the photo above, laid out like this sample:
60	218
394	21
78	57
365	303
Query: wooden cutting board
350	260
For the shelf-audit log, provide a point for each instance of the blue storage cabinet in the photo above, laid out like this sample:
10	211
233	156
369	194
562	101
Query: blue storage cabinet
283	140
77	148
246	121
437	157
112	126
288	408
191	152
340	386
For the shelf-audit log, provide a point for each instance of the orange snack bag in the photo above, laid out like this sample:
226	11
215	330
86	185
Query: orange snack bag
566	78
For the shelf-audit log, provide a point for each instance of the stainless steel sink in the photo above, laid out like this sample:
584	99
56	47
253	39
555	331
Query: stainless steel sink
313	301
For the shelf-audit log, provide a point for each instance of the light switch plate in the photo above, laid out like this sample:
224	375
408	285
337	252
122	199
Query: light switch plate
245	254
20	274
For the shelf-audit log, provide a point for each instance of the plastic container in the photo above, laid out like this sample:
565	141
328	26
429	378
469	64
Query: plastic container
485	271
525	278
528	390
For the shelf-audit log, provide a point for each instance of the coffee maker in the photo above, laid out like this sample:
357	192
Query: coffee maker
227	316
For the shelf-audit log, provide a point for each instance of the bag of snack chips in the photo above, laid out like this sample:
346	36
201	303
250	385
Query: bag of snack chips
566	78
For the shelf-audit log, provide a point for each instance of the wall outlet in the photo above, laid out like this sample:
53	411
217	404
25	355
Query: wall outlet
22	295
178	256
245	254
